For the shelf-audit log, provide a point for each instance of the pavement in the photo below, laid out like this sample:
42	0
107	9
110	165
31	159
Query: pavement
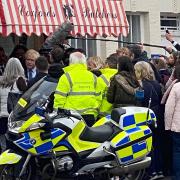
167	178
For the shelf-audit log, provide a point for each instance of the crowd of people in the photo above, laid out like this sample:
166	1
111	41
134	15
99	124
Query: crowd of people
93	86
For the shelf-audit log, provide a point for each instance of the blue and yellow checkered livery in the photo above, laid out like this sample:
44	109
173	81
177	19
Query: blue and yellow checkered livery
136	116
32	142
76	142
102	121
133	144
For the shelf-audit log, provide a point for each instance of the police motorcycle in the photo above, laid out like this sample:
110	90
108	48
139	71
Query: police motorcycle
59	144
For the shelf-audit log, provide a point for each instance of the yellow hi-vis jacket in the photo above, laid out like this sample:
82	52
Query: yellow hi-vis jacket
78	89
105	107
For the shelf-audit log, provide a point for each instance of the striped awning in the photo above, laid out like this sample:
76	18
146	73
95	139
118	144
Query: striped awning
102	17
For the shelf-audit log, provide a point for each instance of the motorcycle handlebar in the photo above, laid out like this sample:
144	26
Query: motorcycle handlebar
48	122
64	111
68	113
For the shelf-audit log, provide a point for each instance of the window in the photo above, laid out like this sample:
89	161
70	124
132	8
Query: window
89	46
170	22
134	30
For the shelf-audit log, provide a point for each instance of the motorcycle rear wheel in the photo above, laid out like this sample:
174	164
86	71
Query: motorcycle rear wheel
7	172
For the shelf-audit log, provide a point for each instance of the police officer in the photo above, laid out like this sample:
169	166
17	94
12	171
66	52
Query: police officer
107	73
78	89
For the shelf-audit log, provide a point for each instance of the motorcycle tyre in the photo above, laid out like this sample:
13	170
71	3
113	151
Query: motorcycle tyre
8	168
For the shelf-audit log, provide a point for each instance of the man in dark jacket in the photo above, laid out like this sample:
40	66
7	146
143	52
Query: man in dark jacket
139	53
42	70
56	68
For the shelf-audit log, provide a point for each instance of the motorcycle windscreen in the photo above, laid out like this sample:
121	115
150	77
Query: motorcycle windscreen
35	96
132	145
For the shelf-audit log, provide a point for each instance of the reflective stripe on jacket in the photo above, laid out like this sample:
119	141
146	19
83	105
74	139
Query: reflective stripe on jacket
106	107
78	89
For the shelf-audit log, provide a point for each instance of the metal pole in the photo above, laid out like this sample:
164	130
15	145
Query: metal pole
125	42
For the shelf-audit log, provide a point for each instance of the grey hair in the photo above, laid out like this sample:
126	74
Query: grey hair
77	58
12	71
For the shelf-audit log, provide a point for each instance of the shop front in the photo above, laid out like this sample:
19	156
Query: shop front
31	21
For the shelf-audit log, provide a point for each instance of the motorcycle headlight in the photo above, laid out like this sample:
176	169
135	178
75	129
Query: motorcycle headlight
15	126
35	126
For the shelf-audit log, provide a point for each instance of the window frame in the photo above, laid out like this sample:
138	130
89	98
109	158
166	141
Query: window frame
74	44
130	36
170	17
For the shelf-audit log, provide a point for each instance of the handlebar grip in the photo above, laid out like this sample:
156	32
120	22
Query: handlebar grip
67	112
45	135
64	111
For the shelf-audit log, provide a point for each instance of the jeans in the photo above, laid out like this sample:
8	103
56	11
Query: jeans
176	155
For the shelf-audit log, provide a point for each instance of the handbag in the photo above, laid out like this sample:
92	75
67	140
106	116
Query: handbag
12	100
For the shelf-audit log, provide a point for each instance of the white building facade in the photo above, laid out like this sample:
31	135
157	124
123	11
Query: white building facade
148	20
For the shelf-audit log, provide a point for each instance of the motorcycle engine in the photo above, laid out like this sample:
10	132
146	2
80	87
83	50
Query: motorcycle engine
64	163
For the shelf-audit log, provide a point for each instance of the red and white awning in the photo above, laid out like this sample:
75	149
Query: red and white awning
102	17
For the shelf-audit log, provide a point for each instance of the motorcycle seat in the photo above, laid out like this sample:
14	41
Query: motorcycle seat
98	134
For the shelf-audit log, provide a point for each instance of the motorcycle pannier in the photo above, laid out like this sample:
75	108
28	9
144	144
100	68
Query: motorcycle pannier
133	116
132	145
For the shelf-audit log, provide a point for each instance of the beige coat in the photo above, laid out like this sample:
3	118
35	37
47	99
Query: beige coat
172	109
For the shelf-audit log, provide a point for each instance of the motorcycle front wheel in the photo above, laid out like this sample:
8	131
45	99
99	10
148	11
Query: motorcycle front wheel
8	172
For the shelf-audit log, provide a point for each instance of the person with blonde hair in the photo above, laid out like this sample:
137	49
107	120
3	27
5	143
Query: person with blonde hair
94	64
30	58
143	71
13	79
152	99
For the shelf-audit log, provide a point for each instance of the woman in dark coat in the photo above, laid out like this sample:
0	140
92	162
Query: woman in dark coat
123	85
152	90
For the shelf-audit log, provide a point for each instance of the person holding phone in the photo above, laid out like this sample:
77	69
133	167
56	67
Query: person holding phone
170	38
